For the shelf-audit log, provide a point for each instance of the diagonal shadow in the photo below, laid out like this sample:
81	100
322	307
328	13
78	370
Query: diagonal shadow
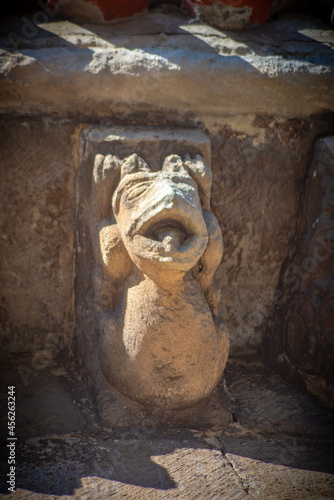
27	35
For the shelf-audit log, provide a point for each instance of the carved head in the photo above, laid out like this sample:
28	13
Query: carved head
160	213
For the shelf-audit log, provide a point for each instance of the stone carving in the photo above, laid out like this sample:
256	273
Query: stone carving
156	253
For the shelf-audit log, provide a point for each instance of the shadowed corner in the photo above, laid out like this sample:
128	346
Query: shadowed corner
59	444
276	423
61	448
126	462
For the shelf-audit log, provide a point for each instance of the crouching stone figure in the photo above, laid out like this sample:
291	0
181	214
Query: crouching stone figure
156	253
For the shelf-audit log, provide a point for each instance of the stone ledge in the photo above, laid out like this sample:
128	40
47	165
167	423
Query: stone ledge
280	446
285	67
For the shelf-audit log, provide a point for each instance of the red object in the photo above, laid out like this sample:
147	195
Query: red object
260	14
52	3
113	9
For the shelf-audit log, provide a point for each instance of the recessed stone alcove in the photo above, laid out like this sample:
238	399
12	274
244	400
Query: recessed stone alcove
262	124
257	105
179	367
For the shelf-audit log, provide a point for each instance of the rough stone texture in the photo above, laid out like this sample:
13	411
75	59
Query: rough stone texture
280	445
145	468
256	84
264	405
155	324
159	344
36	252
230	14
280	68
49	401
262	182
247	152
223	16
300	334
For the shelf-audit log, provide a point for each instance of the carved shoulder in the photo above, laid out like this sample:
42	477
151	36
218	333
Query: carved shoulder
116	261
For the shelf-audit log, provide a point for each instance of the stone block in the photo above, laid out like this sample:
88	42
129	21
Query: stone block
299	339
146	301
37	217
167	63
232	15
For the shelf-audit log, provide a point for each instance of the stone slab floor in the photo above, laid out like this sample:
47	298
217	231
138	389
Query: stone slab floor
279	446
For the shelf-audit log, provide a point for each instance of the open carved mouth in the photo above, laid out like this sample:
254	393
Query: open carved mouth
176	236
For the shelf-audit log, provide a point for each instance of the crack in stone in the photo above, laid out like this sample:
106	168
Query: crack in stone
244	485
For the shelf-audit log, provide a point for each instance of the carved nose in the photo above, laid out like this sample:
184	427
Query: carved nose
170	195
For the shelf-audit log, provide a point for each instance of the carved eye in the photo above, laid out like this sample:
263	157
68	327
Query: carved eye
136	190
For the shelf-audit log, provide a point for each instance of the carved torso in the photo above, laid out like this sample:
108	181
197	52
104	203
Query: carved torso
161	345
169	333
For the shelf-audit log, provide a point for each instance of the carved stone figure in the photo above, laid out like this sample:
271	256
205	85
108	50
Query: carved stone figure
161	342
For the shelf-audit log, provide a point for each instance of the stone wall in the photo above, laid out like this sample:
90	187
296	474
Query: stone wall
300	332
255	183
37	223
256	193
262	97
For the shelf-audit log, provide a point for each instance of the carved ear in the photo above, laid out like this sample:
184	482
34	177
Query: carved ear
104	182
105	168
174	163
202	175
134	164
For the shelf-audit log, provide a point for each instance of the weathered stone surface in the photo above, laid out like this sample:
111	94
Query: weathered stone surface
262	480
223	16
300	334
159	343
259	164
48	402
142	467
156	325
281	443
36	252
64	69
265	405
230	14
259	160
256	182
255	458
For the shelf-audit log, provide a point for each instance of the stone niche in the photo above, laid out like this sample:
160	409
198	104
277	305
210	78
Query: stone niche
149	339
299	340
